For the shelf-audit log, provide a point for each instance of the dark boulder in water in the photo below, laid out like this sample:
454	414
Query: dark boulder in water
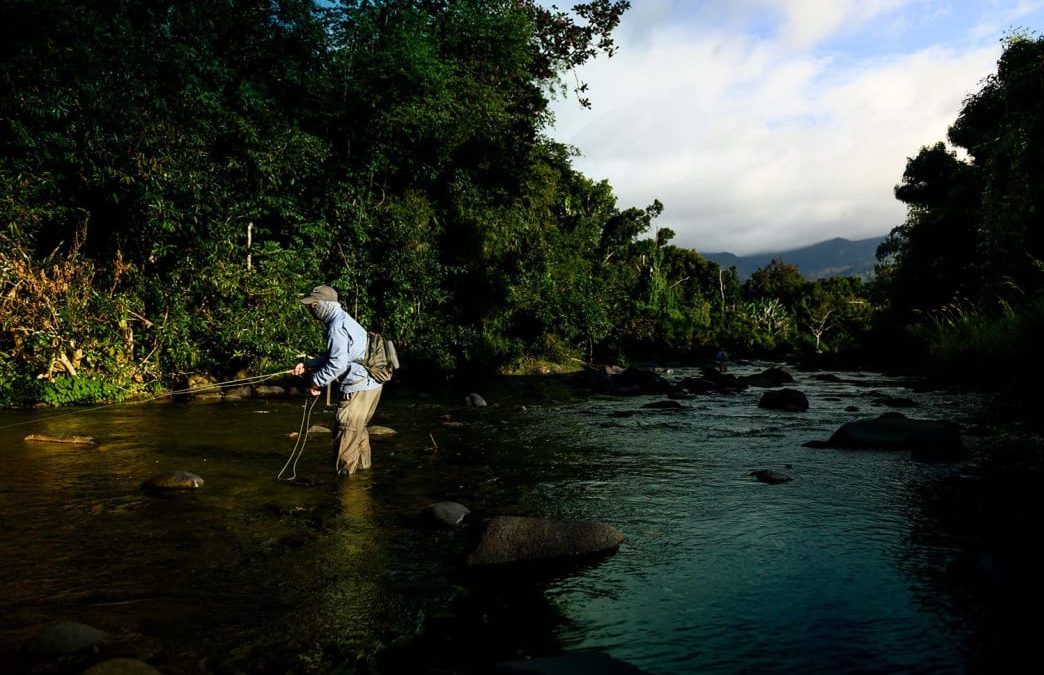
784	399
773	377
175	480
770	477
514	539
929	439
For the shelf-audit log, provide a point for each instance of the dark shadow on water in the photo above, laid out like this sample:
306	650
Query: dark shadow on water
982	522
492	616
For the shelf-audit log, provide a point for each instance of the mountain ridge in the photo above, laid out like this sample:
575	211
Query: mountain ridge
832	257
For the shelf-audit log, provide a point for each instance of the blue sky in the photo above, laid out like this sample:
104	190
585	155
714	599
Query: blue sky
764	125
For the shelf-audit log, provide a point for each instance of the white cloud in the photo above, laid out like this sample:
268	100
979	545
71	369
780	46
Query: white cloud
1000	17
754	145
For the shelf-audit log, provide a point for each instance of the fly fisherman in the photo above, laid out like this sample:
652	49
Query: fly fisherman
359	393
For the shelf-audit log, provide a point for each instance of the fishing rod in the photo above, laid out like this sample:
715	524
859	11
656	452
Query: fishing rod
302	439
217	385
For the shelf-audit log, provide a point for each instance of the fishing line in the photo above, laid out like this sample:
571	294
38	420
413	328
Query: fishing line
302	438
195	390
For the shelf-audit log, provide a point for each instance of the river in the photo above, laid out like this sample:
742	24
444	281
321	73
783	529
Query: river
865	562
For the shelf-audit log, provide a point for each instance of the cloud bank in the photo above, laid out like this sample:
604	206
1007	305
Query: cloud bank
770	124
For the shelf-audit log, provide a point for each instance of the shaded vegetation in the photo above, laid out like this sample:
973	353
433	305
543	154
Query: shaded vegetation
962	280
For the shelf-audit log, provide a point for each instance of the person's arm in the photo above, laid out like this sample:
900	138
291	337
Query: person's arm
335	361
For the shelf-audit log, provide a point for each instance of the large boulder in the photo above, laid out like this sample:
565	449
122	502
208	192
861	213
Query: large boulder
203	388
512	539
930	439
784	399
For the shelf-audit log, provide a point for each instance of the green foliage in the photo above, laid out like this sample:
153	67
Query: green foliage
994	346
778	280
174	175
80	390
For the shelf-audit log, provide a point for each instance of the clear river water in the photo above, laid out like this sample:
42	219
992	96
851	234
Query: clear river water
866	561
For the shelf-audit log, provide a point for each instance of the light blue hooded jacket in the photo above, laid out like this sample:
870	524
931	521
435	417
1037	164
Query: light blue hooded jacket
345	344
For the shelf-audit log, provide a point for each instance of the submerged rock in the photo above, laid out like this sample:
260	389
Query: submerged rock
175	480
770	477
67	637
475	400
826	377
377	430
512	539
446	513
668	404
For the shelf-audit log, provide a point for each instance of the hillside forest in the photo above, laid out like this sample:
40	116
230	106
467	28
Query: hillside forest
174	175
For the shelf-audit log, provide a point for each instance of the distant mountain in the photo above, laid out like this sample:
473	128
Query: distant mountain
835	257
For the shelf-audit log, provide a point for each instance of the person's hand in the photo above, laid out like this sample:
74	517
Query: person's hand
314	390
298	370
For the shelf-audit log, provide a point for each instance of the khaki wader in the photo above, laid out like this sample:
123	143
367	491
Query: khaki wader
351	441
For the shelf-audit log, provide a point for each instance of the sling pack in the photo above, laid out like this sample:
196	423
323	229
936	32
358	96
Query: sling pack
380	360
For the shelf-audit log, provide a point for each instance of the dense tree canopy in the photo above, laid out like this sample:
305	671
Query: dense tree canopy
965	273
174	174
